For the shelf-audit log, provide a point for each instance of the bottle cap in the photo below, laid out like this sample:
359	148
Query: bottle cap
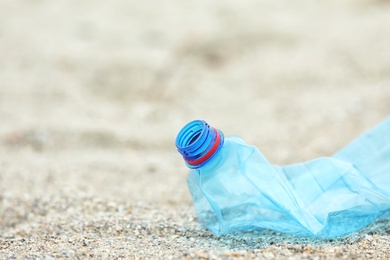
197	142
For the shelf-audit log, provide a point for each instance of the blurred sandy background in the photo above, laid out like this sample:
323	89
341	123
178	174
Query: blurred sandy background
93	93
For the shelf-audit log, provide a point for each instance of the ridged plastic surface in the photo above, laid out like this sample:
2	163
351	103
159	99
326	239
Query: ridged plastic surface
328	197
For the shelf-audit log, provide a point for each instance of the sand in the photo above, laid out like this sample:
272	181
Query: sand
93	93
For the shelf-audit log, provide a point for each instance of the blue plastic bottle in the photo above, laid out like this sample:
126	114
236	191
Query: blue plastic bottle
235	188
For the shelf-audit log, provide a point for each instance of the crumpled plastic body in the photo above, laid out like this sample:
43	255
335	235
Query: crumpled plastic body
328	197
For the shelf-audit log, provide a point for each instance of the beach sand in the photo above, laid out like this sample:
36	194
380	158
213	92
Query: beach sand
93	93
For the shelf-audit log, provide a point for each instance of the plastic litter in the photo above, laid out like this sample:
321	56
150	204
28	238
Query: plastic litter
235	188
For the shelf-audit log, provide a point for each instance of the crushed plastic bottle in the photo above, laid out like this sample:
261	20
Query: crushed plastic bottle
235	188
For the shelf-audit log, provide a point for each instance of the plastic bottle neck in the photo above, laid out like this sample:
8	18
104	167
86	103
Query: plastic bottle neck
198	143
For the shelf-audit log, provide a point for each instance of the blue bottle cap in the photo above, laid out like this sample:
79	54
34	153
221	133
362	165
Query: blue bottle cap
197	142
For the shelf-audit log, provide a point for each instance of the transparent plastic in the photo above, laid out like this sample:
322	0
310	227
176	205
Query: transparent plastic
238	189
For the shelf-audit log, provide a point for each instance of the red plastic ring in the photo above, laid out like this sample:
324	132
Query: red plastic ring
209	153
